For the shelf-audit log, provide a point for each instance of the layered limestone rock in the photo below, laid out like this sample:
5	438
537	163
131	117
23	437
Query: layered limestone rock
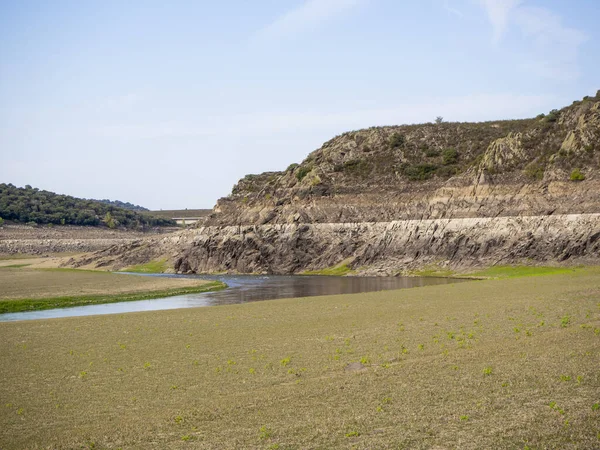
369	248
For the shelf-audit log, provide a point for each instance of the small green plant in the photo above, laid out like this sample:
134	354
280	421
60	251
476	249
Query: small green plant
596	407
1	221
565	378
576	175
264	432
564	322
365	360
487	371
285	361
464	418
352	433
147	365
187	437
178	419
251	370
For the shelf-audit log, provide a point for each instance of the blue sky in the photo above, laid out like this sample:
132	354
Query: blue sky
168	104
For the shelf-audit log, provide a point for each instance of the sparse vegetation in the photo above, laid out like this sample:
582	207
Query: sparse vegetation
137	403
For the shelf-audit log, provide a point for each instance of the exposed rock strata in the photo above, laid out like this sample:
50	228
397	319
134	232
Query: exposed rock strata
370	248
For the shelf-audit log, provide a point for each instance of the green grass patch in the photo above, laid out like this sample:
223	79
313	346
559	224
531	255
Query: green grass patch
31	304
339	270
14	266
520	271
158	266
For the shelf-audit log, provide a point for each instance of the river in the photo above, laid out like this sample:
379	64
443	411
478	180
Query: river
241	289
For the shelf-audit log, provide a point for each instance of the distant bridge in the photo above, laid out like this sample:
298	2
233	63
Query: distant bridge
186	220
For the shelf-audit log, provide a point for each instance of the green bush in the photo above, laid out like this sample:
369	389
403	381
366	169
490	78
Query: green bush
450	156
1	221
302	172
397	140
291	167
553	116
420	172
576	175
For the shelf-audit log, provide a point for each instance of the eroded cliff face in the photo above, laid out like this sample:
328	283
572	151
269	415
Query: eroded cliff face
390	199
383	248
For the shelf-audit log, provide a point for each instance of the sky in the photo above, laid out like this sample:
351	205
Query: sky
168	104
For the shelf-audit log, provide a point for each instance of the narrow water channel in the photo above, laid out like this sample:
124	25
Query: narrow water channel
241	289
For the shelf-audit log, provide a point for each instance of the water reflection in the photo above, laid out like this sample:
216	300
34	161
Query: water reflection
242	289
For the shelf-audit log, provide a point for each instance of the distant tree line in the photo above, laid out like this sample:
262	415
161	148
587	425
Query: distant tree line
120	204
27	205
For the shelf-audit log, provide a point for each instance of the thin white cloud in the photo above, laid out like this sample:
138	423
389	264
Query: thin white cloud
550	49
452	9
498	12
309	14
555	45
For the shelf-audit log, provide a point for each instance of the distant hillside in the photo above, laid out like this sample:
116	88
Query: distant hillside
29	204
120	204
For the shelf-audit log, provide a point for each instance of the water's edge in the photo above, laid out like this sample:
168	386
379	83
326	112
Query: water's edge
241	289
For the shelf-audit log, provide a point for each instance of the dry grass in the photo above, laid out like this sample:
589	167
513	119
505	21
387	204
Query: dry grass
507	363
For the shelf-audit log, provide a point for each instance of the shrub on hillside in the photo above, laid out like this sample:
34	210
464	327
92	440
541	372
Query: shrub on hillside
450	156
553	116
397	140
420	172
302	172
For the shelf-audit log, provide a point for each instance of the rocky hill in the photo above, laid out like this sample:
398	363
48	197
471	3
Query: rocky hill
504	168
390	199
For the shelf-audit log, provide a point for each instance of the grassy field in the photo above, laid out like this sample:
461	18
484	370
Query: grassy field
510	363
26	289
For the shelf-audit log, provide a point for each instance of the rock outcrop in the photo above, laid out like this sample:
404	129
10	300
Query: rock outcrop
369	248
